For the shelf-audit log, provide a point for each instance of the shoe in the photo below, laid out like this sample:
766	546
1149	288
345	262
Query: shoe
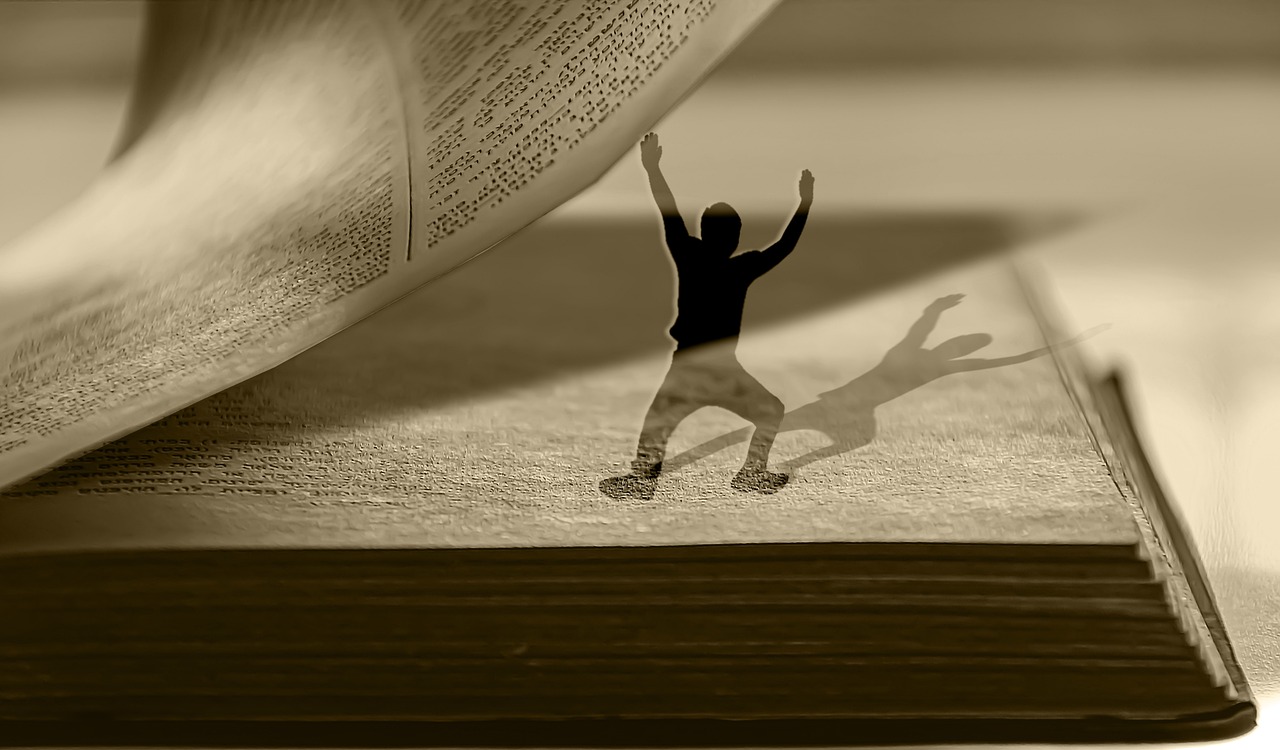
646	470
629	487
759	480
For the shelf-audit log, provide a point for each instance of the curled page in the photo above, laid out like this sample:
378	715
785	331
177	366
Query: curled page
289	168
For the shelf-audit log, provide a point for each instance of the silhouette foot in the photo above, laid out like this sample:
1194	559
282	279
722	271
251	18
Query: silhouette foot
629	487
759	480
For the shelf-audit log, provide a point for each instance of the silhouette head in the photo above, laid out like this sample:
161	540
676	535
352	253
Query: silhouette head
721	227
962	345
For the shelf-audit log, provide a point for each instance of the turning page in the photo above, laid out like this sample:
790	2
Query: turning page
290	167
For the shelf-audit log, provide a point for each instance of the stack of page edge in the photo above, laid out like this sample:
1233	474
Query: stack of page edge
750	631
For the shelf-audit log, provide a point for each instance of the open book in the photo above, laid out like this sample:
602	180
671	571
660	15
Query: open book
499	501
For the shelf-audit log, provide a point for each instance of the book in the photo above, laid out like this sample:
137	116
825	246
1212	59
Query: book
969	534
498	512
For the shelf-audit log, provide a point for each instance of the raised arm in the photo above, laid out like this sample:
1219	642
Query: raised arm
968	365
764	260
921	329
672	223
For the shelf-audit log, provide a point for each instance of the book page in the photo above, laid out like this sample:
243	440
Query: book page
302	164
491	409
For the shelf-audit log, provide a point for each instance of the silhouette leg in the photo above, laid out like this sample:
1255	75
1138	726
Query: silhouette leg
665	414
668	409
754	402
767	418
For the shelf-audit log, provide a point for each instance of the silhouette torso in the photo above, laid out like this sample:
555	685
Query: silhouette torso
712	291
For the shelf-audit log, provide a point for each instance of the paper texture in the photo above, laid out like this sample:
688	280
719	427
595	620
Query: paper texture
303	164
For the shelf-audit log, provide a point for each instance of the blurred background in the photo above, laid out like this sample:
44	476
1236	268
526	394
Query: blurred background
1151	122
1054	102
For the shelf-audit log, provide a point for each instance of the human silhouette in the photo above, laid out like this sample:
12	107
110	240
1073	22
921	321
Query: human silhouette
705	371
846	415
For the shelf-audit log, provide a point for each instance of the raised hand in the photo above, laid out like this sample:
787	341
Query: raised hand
650	151
946	303
806	186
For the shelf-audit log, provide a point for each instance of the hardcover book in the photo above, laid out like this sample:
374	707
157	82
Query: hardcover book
760	478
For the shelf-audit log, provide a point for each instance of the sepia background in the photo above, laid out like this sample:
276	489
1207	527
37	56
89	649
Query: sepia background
1146	127
1042	103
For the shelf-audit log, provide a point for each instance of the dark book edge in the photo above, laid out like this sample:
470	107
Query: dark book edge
1118	416
1120	448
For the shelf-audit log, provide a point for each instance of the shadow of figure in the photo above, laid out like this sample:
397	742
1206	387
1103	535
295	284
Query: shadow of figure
846	415
712	285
